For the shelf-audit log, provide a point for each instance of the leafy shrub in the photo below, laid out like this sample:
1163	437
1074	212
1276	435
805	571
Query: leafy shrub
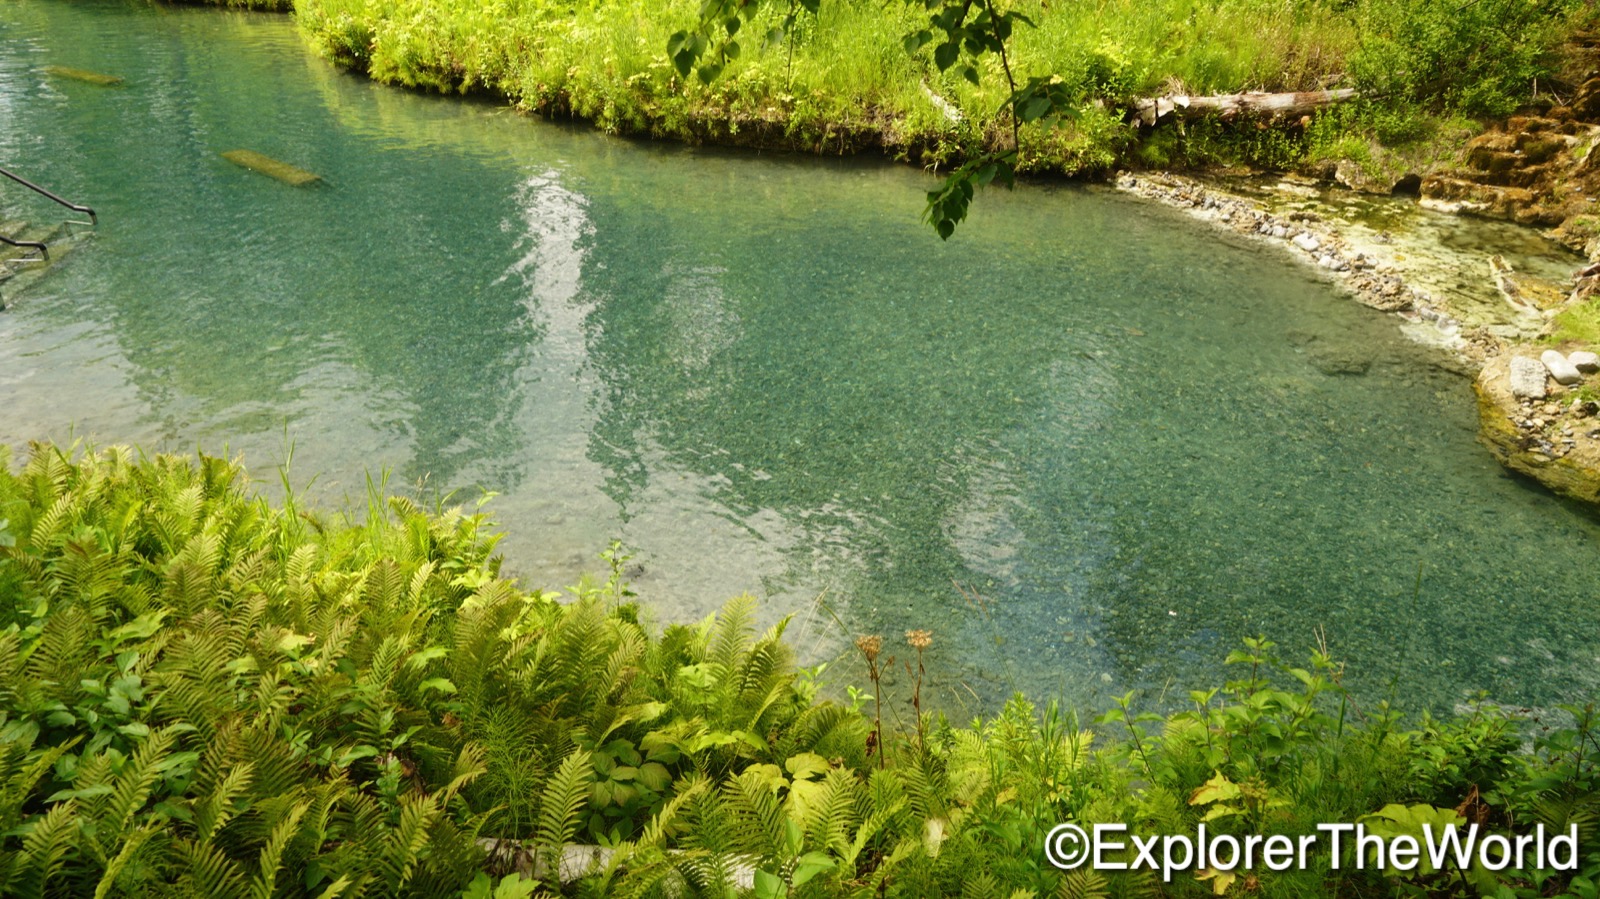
1480	57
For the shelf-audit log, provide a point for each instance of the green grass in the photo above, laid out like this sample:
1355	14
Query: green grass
843	81
1579	323
203	694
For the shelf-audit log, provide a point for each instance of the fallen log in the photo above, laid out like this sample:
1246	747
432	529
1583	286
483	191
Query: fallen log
1149	110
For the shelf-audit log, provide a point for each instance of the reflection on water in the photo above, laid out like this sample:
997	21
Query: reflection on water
1086	444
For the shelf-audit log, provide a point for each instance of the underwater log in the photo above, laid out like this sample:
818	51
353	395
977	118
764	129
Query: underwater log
266	165
83	75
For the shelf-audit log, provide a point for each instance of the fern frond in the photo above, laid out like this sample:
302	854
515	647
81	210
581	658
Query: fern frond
217	809
270	861
131	844
758	817
1084	883
45	846
211	873
132	788
730	637
403	847
563	799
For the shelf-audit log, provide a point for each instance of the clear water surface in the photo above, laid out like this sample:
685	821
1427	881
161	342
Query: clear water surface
764	374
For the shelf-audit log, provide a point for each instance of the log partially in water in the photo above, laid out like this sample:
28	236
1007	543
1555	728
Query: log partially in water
266	165
83	75
1150	110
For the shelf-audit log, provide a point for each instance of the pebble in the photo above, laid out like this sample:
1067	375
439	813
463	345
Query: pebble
1280	231
1563	371
1584	361
1305	241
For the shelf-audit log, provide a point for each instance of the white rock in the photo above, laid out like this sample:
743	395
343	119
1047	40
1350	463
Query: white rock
1584	361
1306	242
1527	378
1563	371
1279	231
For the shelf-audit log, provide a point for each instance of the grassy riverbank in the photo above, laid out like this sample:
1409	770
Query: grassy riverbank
842	80
204	694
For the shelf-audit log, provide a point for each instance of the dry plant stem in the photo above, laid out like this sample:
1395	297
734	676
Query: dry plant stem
870	647
919	640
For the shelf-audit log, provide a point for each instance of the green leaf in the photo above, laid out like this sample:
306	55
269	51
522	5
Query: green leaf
140	628
442	684
770	886
970	73
732	25
1217	789
654	776
1034	109
354	753
945	55
810	865
421	659
85	793
806	765
515	886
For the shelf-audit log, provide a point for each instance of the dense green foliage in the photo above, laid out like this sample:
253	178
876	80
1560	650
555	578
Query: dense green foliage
1030	86
1482	58
203	694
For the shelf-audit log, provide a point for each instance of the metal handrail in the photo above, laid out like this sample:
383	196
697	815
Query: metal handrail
31	244
39	190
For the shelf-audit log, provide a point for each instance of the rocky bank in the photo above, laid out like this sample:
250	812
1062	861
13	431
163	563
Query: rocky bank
1474	303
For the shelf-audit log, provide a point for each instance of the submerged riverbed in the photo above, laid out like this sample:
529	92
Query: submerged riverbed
1133	441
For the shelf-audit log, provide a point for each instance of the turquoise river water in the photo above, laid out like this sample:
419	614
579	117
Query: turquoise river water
762	373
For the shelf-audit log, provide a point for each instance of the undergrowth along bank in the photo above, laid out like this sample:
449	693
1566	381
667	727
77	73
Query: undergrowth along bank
837	76
205	694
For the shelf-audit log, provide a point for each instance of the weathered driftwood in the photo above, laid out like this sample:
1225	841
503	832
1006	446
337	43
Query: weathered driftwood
1149	110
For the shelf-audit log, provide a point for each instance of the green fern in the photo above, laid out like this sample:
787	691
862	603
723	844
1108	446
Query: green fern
563	798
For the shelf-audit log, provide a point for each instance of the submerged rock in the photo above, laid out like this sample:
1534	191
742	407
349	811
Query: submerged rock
1526	378
1563	371
1341	361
